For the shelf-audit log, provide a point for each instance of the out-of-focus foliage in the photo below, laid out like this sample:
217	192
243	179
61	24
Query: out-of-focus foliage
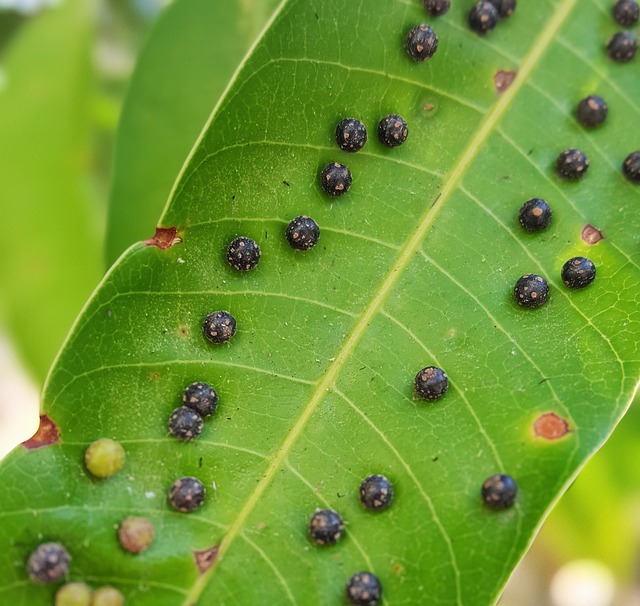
52	236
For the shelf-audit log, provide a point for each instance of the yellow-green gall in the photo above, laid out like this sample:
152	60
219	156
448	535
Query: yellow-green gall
107	596
104	458
74	594
136	534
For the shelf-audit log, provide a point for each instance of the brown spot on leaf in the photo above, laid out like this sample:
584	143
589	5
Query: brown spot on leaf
591	235
428	106
503	80
206	558
550	426
155	376
164	238
47	434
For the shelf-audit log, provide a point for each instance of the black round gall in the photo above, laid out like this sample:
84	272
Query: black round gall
535	215
622	47
505	8
531	290
376	492
631	167
572	164
303	233
185	424
436	7
351	135
578	272
626	12
364	589
421	43
243	254
335	179
592	111
499	491
326	527
483	17
201	397
431	383
186	494
48	563
393	130
219	327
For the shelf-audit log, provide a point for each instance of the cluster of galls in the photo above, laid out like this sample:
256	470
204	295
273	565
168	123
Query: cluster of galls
572	164
351	136
532	290
199	401
50	563
485	15
326	527
622	46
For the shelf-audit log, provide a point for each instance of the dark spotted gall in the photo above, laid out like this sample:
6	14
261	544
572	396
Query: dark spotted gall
531	290
431	383
107	596
631	167
499	491
572	164
592	111
622	47
436	8
393	130
186	494
335	179
185	423
376	492
626	12
483	17
219	327
136	534
421	43
326	527
201	397
74	594
48	563
302	233
351	135
243	254
505	8
535	215
578	272
364	589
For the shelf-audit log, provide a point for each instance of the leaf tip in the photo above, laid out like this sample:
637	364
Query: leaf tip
46	435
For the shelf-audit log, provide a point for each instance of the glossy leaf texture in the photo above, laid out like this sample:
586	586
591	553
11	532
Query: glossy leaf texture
181	72
415	266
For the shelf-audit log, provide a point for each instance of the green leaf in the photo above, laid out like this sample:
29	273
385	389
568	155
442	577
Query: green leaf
181	71
51	241
415	266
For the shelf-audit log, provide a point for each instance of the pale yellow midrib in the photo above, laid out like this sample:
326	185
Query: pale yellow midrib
540	45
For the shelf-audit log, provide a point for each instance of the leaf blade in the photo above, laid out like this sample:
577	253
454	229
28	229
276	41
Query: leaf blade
451	305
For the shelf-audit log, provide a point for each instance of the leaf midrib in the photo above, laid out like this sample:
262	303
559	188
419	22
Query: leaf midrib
411	247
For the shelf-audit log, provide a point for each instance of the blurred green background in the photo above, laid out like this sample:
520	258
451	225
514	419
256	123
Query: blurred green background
67	168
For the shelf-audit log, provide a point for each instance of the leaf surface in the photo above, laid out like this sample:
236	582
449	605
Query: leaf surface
415	266
182	70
